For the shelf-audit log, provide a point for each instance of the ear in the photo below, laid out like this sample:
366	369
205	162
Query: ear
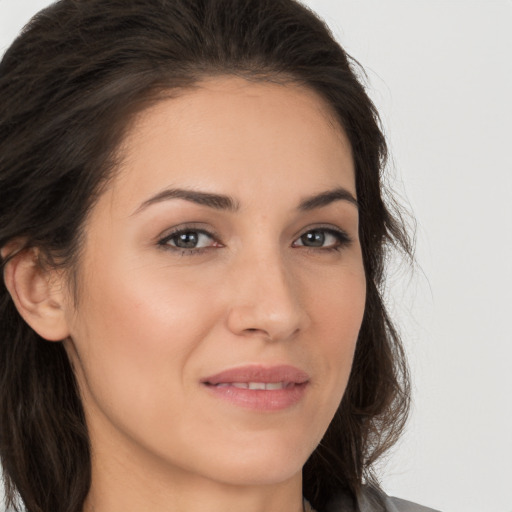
38	293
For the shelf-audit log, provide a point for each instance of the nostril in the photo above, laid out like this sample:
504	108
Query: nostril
255	332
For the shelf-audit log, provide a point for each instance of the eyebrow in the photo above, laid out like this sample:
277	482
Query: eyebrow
225	202
215	201
326	198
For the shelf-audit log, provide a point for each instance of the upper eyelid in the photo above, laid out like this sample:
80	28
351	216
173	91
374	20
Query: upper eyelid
183	228
329	228
209	231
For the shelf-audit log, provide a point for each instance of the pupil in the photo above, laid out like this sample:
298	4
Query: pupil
187	240
313	238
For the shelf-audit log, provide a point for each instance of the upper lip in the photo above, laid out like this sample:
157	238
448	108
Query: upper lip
259	373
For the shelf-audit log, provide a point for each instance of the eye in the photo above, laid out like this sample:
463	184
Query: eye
189	239
323	238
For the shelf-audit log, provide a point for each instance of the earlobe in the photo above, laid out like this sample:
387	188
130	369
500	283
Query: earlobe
37	293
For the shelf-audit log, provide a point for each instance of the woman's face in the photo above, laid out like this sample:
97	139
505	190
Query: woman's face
221	286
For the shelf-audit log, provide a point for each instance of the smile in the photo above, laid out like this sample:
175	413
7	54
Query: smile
259	388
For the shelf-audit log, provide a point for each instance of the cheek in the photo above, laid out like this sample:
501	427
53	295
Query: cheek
336	310
339	317
338	305
151	308
135	336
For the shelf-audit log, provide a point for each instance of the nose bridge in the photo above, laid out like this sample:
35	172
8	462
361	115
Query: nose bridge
267	295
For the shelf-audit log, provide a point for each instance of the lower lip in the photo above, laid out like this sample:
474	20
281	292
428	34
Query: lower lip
260	399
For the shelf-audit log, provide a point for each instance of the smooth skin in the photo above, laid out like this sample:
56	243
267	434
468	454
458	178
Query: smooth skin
171	291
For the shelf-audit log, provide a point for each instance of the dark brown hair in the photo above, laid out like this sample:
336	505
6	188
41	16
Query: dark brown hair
69	86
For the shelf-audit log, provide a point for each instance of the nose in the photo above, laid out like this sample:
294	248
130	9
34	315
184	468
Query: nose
266	299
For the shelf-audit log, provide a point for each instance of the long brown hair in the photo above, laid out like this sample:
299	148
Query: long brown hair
69	86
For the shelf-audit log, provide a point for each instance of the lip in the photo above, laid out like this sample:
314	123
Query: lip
295	384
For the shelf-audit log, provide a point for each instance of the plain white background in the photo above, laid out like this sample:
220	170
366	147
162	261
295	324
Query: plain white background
440	72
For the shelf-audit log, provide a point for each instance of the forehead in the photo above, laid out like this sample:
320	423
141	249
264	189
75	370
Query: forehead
235	133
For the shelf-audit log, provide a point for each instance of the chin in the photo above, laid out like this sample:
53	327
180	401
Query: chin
248	473
259	463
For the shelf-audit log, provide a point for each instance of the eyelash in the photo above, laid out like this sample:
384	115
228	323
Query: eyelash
342	240
182	230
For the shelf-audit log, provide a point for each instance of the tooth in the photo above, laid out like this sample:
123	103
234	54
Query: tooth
256	385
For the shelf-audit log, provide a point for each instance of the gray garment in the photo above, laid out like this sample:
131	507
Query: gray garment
398	505
374	500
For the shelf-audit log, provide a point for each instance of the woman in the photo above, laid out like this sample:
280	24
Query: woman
192	235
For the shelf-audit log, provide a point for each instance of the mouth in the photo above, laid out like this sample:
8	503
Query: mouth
259	388
267	386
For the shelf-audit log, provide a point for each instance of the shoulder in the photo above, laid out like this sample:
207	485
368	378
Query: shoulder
375	500
398	505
